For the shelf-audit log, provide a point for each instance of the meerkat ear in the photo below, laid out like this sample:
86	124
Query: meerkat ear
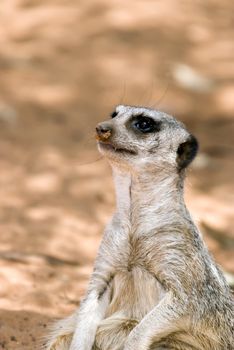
186	152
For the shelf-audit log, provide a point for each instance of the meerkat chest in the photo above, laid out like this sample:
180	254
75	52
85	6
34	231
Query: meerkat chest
135	253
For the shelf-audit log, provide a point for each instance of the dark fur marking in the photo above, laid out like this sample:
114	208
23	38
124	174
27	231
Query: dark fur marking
135	131
107	284
113	114
154	148
186	152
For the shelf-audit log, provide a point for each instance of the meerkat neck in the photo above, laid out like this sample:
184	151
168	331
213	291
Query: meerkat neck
147	200
123	182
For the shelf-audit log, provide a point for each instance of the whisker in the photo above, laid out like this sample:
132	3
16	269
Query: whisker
91	162
123	94
151	91
157	103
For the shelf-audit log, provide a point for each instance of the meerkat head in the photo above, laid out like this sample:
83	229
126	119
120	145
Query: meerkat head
139	138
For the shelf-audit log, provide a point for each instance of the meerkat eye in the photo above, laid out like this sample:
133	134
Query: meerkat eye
113	114
146	124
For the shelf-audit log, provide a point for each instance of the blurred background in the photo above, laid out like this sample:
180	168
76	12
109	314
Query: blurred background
64	65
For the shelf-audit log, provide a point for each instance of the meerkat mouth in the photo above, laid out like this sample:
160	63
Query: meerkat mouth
114	148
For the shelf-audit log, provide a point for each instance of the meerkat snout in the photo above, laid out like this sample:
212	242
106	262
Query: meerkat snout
103	131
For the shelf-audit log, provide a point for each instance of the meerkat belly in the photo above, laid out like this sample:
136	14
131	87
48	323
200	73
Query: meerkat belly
134	293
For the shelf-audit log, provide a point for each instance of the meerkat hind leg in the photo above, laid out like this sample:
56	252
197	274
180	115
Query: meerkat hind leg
113	332
62	342
171	344
173	347
61	334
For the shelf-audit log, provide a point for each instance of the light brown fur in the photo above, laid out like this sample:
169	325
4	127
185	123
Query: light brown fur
154	284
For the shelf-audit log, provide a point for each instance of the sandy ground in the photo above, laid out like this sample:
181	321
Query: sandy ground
64	64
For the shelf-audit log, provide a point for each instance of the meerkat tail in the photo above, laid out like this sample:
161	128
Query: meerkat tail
61	334
112	333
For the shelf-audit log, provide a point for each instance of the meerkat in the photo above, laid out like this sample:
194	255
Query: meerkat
154	285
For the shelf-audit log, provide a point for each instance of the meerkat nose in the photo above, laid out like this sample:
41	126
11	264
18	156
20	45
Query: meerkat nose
103	131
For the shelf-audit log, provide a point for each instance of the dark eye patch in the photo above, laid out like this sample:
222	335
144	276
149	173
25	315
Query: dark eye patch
113	114
145	124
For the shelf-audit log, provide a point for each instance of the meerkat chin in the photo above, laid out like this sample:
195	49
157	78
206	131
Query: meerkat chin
154	285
